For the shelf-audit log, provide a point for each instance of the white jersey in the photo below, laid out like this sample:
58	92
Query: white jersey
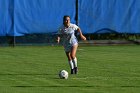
68	36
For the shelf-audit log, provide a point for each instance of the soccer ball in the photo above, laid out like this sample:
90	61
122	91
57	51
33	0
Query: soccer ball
63	74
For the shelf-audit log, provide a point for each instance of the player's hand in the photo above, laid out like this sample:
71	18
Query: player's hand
83	37
57	41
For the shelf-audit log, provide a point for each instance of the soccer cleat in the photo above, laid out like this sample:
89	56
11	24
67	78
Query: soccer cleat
76	70
72	71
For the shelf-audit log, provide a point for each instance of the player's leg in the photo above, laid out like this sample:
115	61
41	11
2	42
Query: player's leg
73	56
70	62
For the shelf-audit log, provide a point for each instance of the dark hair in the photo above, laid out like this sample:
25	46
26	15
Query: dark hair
64	17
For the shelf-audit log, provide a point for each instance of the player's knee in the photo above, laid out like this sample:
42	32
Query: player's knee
69	58
72	56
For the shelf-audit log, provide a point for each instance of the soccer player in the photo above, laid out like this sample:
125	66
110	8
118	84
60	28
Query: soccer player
67	34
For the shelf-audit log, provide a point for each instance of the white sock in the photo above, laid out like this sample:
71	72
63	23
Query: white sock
74	62
71	64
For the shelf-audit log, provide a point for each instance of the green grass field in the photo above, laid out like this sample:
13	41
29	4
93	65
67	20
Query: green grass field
102	69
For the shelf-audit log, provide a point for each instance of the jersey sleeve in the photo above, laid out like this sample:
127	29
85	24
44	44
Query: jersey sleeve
59	30
75	27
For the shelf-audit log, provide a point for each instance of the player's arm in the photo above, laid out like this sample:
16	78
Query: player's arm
58	36
58	39
81	35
